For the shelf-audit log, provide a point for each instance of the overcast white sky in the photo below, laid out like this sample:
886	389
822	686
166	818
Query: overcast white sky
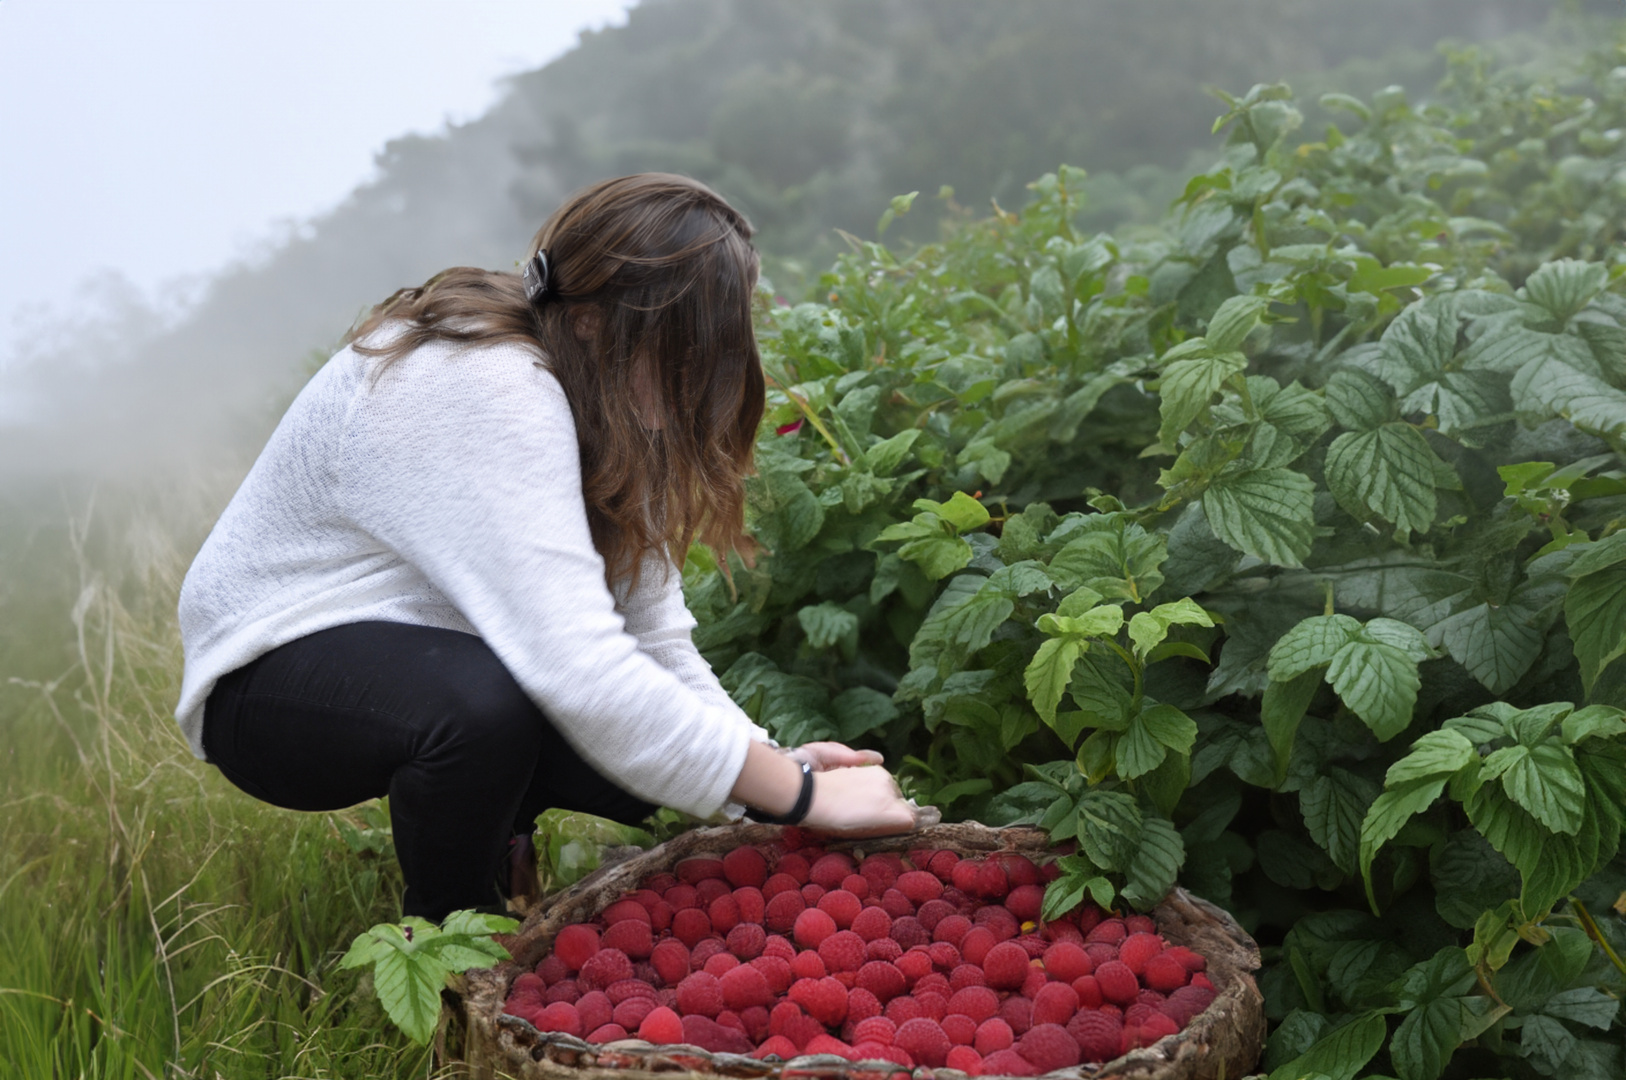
162	139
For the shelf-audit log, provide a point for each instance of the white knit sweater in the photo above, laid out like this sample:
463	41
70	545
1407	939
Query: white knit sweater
447	492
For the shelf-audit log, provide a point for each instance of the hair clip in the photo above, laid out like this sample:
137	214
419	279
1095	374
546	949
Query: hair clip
537	277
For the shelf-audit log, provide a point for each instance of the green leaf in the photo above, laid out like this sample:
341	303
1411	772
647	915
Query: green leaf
1281	710
1050	671
1594	722
937	556
1564	287
1234	321
1436	754
1109	828
1388	472
409	986
1418	344
1548	386
1169	726
1544	780
1497	643
1547	1043
1310	644
1339	1054
860	710
1156	863
1148	628
961	511
1334	804
1266	513
885	456
1113	556
1583	1005
1187	387
1595	608
826	624
1441	1015
973	623
1389	812
1103	621
1359	401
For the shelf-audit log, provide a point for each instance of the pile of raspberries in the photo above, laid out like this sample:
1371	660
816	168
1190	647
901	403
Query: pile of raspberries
937	961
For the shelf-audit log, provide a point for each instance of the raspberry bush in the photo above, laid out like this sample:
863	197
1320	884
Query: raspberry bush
1278	550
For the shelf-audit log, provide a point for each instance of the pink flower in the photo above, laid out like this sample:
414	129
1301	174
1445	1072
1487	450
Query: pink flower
789	429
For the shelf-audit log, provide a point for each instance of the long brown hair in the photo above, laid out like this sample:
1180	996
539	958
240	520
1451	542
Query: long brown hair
651	284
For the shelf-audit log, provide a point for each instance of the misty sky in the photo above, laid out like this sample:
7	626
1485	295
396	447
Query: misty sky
161	139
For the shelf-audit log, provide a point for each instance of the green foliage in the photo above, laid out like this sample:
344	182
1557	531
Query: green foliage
1278	551
412	959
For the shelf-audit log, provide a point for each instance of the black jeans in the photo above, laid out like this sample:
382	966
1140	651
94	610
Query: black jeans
430	718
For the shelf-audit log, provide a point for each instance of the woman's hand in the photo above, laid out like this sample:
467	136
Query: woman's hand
834	755
860	801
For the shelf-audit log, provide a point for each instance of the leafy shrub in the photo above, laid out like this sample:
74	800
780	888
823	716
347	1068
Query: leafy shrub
1278	550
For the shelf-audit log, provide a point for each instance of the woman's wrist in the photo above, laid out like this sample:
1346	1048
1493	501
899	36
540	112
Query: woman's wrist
769	781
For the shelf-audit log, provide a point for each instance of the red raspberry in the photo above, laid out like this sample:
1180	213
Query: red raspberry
1025	902
1017	1011
936	982
1108	932
1034	945
658	882
895	904
751	904
747	941
708	1034
963	903
933	912
1065	961
992	883
1035	982
745	866
1006	966
1117	982
553	968
872	923
780	883
1140	924
779	946
743	987
825	1043
691	926
1063	931
1019	869
874	1029
1187	1002
1151	997
952	929
622	910
857	884
661	1026
1055	1003
776	970
1202	980
808	965
607	1033
915	964
976	943
963	875
630	1013
924	1041
882	870
701	994
596	1009
624	990
1158	1026
775	1046
1137	1013
630	936
878	1052
575	945
933	1006
1138	948
862	1004
566	990
997	919
724	913
842	906
782	911
528	985
919	886
755	1020
830	870
966	975
1097	1035
671	961
908	932
993	1034
882	979
1187	959
560	1016
813	926
603	968
941	864
1100	953
812	894
977	1002
1165	974
1088	991
681	896
842	951
703	951
963	1058
961	1030
694	871
883	949
1007	1063
660	916
824	999
1088	917
796	866
901	1010
1049	1047
945	957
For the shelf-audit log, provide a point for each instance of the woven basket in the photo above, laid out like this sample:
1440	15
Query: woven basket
1222	1042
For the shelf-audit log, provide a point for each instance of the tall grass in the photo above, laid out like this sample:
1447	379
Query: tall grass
154	921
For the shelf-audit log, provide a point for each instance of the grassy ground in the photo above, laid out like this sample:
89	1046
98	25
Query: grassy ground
154	921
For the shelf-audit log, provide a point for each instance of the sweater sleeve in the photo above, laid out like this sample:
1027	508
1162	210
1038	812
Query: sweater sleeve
464	462
658	617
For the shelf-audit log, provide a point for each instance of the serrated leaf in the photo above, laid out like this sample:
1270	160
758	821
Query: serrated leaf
1049	672
1595	612
1266	513
973	623
409	986
1103	621
1334	805
1155	864
1339	1054
1388	814
961	511
1545	781
1388	473
1546	1042
1566	286
885	456
1109	828
1148	628
826	624
1281	709
1496	643
1436	754
1138	752
1186	388
937	556
1376	675
1468	876
1233	321
1418	344
1113	556
1547	386
860	710
1594	722
1310	644
1359	401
